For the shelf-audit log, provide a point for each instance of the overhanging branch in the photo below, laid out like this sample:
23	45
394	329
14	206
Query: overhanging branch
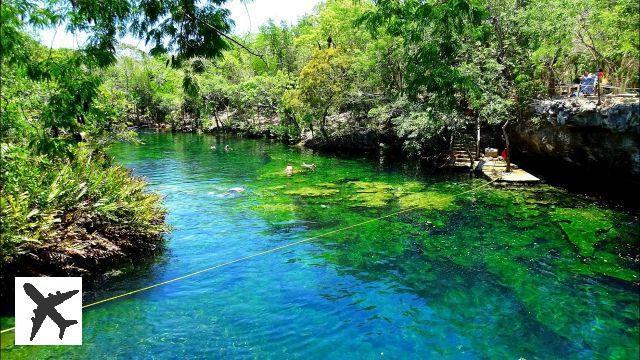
236	42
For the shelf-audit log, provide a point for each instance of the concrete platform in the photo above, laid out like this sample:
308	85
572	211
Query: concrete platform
495	169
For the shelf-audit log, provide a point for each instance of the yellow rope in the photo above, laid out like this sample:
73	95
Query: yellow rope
259	254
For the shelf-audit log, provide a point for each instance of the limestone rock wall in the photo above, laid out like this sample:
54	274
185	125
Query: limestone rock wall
577	133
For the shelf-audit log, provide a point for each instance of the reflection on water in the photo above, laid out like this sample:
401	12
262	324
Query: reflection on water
496	273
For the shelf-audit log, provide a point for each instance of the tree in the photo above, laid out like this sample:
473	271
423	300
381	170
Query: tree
323	83
433	33
276	43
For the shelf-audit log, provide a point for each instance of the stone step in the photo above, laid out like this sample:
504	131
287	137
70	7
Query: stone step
462	164
460	154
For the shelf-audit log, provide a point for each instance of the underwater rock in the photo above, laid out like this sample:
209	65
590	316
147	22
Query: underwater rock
584	227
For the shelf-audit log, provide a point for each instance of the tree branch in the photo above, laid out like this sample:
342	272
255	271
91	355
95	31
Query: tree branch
230	39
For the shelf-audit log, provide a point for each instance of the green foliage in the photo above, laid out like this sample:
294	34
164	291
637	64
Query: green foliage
43	199
435	32
276	44
569	38
58	115
324	82
152	90
428	69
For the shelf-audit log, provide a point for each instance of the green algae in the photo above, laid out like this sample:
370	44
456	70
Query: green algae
310	191
564	310
370	199
555	255
584	227
327	185
602	263
519	237
373	245
538	245
371	194
427	200
408	187
276	212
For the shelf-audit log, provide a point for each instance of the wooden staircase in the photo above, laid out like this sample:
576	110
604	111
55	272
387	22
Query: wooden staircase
462	152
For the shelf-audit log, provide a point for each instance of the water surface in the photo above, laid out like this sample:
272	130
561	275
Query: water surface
493	273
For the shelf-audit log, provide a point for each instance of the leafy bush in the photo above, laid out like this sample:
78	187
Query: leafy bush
41	198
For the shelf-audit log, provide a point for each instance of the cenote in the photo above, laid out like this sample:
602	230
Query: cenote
526	272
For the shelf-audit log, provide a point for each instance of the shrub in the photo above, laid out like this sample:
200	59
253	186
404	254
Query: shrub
42	198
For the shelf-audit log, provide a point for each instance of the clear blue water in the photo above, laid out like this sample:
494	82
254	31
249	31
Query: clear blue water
488	274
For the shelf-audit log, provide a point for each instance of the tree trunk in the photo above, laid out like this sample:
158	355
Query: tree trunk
292	119
551	82
323	121
478	137
507	146
215	116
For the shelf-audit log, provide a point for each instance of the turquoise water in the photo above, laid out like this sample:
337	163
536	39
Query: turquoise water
493	273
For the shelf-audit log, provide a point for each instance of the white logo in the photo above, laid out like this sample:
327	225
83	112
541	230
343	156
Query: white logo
48	310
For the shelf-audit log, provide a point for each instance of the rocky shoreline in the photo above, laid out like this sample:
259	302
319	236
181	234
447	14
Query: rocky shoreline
86	243
567	140
579	137
80	250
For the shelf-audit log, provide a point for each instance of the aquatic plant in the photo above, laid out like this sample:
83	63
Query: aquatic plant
407	187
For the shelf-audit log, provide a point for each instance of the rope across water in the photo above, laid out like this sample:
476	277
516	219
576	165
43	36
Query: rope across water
226	263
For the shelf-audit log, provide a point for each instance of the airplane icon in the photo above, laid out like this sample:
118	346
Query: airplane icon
47	307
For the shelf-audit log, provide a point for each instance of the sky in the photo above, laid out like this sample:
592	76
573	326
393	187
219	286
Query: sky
249	19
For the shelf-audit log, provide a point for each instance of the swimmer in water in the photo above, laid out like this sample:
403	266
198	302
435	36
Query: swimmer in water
309	166
289	170
234	190
213	148
227	148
